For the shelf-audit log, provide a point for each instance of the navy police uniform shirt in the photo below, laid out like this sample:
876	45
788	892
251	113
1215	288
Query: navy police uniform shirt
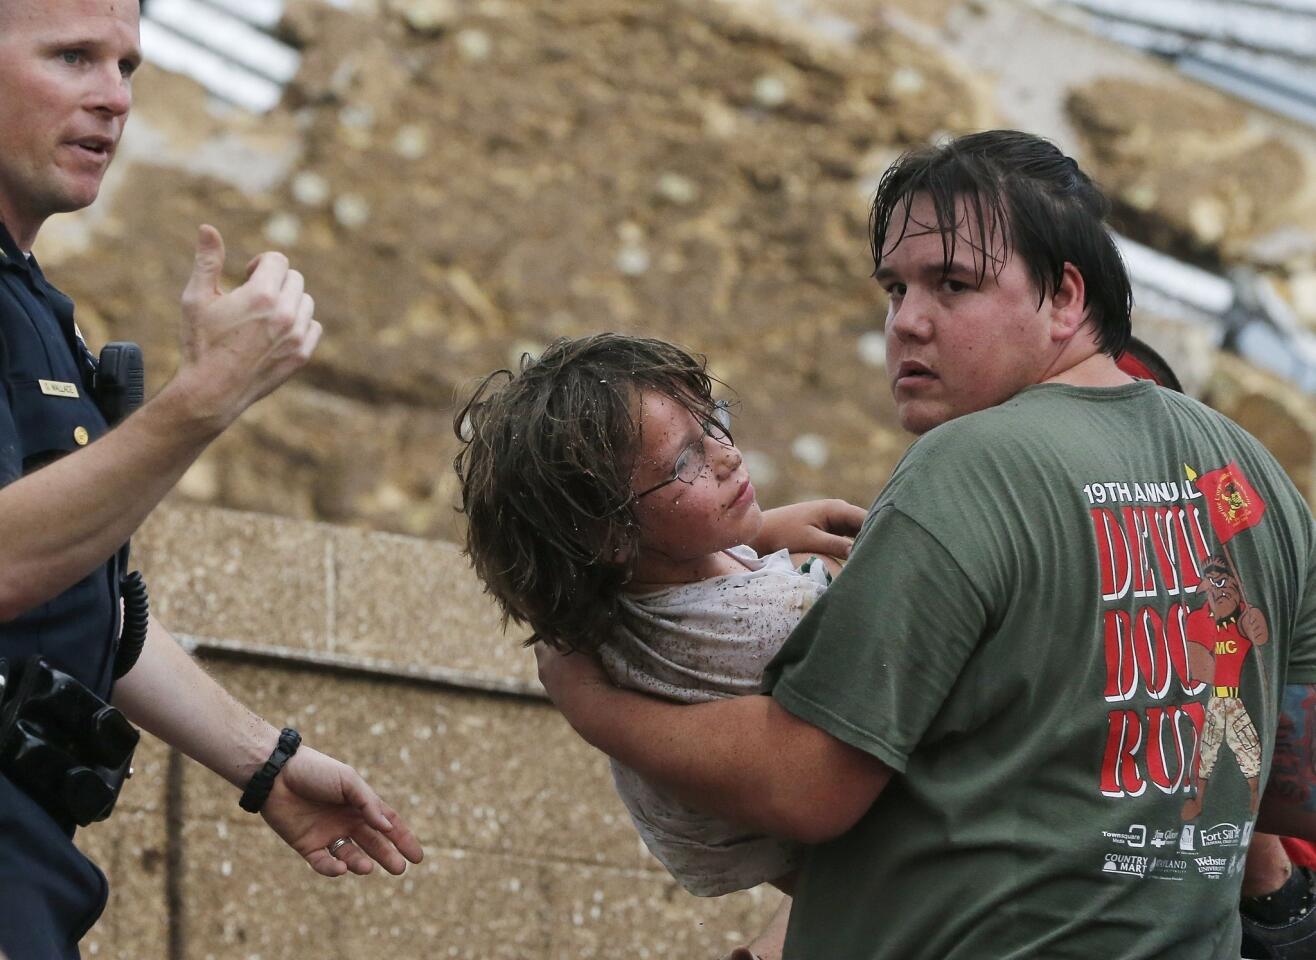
51	893
46	411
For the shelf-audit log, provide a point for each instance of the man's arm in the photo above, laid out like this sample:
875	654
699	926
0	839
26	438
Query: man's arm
1288	807
745	759
315	799
61	522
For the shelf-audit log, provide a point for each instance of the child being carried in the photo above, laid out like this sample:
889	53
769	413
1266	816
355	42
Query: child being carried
609	508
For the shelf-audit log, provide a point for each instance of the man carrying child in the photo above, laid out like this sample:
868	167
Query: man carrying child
987	724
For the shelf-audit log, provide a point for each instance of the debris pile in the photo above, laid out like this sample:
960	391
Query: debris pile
475	179
463	180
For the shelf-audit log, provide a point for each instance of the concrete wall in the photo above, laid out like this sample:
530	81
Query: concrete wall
383	651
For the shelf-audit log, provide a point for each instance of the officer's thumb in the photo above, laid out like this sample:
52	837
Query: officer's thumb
208	267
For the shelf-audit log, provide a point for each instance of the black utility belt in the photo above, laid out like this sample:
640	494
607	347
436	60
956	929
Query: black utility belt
68	749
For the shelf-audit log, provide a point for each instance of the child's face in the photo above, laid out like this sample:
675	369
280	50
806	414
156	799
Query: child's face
683	521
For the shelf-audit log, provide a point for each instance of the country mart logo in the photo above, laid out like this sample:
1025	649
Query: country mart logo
1125	864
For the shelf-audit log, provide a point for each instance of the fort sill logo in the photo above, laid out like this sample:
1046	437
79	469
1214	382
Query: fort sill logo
1225	835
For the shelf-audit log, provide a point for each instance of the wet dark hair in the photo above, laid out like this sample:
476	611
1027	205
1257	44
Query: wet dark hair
1021	192
545	469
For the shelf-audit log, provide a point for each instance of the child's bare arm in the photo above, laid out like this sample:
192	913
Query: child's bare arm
823	527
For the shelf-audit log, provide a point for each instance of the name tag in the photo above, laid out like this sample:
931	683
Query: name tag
58	388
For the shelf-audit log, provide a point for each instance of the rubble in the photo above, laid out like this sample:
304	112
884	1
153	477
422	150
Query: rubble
1191	174
463	182
1277	414
670	169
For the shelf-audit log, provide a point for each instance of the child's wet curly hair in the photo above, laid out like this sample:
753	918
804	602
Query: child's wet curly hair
545	469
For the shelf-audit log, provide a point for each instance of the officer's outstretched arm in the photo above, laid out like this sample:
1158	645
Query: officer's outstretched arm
59	523
315	800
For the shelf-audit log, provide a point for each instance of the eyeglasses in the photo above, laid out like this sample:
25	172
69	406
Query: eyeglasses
691	461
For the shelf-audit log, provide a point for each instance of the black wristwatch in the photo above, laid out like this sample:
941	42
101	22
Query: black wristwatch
262	781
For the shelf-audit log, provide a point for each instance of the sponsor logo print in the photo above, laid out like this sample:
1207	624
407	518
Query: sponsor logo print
1236	863
1135	836
1212	867
1186	838
1169	868
1126	864
1166	838
1221	835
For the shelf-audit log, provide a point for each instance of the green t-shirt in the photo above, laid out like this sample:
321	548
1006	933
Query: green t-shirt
1011	634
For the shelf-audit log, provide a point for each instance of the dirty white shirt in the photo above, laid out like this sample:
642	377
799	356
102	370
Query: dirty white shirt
693	643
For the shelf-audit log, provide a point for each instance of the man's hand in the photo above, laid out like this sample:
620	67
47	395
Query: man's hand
236	347
1252	625
823	527
317	800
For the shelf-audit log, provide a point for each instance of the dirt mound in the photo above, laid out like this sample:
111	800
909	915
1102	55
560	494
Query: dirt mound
1188	170
477	179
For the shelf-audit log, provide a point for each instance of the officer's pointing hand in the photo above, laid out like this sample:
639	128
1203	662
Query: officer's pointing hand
238	346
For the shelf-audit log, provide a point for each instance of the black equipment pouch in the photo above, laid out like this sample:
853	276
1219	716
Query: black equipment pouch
64	746
120	383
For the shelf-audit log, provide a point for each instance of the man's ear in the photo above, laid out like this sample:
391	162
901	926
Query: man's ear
1069	305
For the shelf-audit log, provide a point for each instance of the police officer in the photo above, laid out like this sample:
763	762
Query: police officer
72	491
